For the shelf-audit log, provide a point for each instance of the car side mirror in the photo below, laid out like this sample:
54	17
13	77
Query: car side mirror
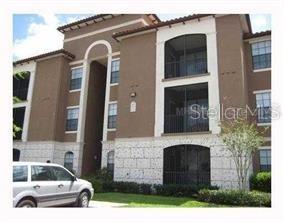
73	178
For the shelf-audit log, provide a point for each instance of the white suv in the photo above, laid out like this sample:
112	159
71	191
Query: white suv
46	185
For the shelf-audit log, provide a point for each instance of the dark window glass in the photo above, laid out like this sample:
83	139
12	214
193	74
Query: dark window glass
18	120
112	114
42	173
115	66
265	159
186	55
72	119
68	160
110	161
16	154
20	173
61	175
186	108
263	104
21	86
76	78
261	54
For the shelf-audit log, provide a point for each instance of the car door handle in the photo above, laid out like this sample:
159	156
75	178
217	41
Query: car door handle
37	186
60	185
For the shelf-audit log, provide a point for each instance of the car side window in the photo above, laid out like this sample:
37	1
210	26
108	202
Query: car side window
42	173
20	173
61	174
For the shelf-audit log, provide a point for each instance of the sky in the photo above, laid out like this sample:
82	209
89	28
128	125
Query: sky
35	34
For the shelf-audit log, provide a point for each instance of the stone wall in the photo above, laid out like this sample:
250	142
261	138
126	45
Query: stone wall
141	159
41	151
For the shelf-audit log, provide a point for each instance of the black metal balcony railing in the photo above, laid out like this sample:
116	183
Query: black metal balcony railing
185	68
185	123
187	177
264	114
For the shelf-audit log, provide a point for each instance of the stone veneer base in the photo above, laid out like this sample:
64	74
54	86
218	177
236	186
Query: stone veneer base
141	159
41	151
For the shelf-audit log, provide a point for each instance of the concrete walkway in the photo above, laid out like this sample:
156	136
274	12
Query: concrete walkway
101	204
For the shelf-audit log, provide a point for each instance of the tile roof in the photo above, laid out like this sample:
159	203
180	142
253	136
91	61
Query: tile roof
33	58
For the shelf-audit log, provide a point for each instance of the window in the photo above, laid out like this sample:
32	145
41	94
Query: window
265	159
72	119
115	65
263	104
186	55
20	173
261	54
61	175
112	113
42	173
110	161
16	154
21	85
76	78
68	160
18	120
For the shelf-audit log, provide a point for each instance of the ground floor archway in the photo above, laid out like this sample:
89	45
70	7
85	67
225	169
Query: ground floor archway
186	164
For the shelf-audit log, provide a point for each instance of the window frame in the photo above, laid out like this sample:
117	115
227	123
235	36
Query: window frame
183	63
255	41
111	72
108	116
69	153
257	107
267	166
77	89
66	123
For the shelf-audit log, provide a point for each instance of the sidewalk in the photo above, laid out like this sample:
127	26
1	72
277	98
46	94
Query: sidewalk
101	204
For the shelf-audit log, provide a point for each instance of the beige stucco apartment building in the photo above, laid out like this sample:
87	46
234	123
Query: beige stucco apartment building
126	92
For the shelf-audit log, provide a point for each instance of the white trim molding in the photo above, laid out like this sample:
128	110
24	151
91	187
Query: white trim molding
30	67
204	26
74	90
263	124
262	70
85	85
105	29
262	91
264	148
258	39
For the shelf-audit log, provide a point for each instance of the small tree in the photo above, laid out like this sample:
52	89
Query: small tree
241	139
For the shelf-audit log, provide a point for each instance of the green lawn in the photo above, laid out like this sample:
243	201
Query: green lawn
140	200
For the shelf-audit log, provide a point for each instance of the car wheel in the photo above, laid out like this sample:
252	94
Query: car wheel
26	203
83	200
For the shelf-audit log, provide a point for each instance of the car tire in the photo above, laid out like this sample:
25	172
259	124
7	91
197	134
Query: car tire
83	199
26	204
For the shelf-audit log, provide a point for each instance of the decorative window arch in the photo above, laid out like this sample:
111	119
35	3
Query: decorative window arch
68	160
186	55
110	161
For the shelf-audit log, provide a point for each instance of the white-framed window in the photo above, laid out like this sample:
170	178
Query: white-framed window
265	159
263	105
115	67
68	160
261	55
72	119
76	78
112	114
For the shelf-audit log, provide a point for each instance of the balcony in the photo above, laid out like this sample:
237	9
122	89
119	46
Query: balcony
186	55
186	109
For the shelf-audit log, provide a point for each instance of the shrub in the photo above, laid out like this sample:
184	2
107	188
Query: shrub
126	187
145	188
180	190
261	181
235	197
96	183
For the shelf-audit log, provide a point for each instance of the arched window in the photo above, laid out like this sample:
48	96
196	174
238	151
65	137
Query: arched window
110	161
186	55
68	160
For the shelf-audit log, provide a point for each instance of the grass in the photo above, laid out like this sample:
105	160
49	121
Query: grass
140	200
